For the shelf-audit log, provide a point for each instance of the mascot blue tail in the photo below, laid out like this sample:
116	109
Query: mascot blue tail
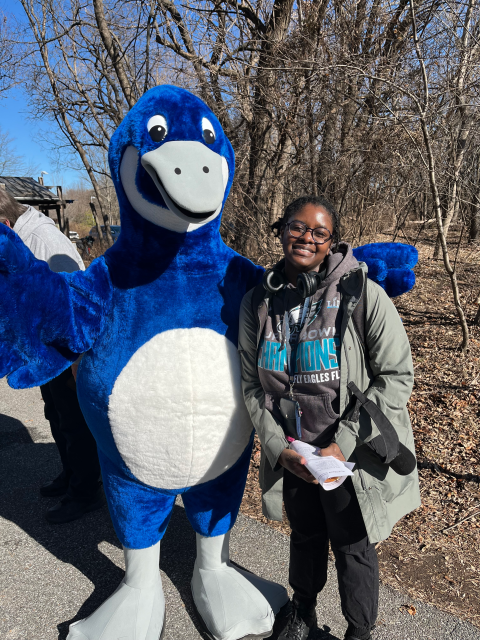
390	264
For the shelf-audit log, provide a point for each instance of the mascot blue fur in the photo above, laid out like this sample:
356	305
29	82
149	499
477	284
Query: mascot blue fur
159	384
390	265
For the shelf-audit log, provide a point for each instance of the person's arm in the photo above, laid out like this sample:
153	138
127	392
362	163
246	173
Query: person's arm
271	434
390	360
46	319
55	249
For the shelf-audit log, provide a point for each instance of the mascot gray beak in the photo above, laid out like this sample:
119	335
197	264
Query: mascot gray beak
191	177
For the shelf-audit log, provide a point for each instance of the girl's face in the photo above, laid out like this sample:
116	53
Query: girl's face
303	254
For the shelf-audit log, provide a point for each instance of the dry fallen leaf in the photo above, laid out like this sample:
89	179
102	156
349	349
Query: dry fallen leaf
409	608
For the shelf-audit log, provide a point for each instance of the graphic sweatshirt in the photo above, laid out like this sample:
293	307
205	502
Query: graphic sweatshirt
317	359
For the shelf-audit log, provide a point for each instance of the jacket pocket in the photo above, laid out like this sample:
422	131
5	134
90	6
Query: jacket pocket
318	420
394	485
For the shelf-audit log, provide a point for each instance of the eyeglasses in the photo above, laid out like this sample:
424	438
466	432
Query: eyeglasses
298	229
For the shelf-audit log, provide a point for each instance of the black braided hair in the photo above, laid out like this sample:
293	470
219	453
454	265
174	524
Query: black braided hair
297	205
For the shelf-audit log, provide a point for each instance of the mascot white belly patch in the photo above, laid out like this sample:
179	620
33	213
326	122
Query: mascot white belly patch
176	410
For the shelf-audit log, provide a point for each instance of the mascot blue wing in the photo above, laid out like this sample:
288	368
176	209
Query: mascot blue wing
46	319
390	264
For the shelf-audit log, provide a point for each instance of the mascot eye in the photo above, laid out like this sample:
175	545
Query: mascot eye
208	131
157	128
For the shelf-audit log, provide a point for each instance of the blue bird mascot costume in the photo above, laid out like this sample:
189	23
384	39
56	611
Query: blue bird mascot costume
156	318
159	384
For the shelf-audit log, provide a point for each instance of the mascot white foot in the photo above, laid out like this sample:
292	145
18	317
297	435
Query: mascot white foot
232	603
136	609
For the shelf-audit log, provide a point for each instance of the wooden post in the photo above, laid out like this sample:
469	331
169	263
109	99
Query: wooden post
67	228
59	217
63	226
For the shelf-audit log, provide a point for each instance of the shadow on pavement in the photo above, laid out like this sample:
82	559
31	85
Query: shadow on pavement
24	467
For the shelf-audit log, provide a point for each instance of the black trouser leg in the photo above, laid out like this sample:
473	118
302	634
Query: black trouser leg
309	538
317	516
51	414
75	438
355	557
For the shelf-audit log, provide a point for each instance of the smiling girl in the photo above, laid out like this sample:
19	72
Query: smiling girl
298	344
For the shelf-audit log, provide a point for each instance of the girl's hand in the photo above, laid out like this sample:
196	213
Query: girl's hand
295	463
334	451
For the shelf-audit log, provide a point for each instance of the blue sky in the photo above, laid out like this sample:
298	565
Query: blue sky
16	120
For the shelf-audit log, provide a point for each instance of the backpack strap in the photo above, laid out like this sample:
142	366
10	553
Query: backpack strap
387	444
258	295
359	317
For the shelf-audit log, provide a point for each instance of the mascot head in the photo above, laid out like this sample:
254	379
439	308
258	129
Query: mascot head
171	162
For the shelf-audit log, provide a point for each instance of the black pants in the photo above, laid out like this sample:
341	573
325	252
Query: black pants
76	445
316	517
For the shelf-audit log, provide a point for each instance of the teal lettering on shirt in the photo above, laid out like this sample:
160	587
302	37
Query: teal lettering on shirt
271	356
260	352
309	355
322	358
266	355
332	352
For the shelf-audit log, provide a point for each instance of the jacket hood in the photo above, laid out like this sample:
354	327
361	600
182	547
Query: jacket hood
29	222
339	263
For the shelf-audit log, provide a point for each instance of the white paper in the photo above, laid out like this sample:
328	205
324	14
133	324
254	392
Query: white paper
323	467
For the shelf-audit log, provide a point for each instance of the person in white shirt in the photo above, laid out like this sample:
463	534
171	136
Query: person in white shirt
79	484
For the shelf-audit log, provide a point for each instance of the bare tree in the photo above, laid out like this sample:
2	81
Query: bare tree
463	78
9	55
423	106
13	163
85	77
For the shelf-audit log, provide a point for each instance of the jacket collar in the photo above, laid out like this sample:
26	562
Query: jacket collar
352	283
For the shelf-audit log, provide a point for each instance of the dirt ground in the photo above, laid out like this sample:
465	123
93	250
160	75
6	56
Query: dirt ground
433	553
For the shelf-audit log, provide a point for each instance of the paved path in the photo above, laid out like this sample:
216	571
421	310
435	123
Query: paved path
53	575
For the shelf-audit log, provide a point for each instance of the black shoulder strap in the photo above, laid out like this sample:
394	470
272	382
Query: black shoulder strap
258	295
359	316
388	445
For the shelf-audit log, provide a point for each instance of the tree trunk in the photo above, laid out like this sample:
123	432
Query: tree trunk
474	231
434	189
97	224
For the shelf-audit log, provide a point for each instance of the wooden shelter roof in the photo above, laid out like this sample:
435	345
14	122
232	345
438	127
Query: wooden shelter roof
29	191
